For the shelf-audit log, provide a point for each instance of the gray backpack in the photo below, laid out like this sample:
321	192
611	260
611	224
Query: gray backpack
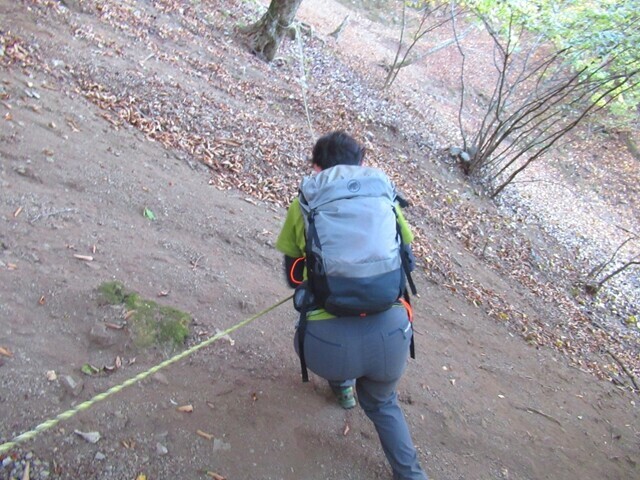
353	242
356	261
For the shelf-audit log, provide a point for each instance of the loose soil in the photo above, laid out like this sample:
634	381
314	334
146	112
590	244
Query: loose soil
81	159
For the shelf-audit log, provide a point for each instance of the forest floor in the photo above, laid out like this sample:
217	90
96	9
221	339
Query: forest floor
142	142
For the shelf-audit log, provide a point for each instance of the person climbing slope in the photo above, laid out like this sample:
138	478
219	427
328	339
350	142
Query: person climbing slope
346	247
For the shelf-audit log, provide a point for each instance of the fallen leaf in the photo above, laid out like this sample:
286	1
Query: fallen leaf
89	369
216	476
73	125
42	300
12	266
27	468
118	362
51	375
149	214
185	408
231	341
56	468
226	141
128	444
206	435
91	437
86	258
128	314
141	476
346	430
114	326
163	293
5	352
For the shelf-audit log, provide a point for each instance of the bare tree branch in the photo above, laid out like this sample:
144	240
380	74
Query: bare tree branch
536	100
462	84
426	13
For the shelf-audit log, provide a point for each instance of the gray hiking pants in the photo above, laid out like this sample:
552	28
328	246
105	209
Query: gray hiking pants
372	350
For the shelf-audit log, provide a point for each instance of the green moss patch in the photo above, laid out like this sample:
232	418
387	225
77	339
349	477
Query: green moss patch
150	323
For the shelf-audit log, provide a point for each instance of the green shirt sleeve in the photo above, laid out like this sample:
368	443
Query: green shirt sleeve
291	240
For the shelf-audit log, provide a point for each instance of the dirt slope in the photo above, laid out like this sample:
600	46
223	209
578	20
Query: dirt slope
480	401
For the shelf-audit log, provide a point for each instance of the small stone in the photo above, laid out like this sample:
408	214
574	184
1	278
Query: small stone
72	385
160	378
6	462
161	449
219	444
455	151
101	337
100	456
32	93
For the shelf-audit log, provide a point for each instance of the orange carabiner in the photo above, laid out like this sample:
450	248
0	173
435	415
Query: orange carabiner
408	307
293	269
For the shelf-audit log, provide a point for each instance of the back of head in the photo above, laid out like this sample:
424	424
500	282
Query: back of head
336	148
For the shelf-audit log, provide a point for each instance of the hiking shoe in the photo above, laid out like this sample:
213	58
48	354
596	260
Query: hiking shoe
346	397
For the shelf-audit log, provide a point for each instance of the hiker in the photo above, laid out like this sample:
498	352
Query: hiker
345	335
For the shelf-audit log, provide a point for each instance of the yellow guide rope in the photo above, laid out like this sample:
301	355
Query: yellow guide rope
31	434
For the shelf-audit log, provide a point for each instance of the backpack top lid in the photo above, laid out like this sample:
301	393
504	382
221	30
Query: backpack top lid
342	182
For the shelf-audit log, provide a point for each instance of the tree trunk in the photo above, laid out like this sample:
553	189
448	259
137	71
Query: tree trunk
267	33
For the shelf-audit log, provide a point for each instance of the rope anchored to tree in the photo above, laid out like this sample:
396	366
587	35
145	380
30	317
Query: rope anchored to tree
31	434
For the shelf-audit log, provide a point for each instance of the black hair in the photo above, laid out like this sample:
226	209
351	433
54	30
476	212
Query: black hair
336	148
